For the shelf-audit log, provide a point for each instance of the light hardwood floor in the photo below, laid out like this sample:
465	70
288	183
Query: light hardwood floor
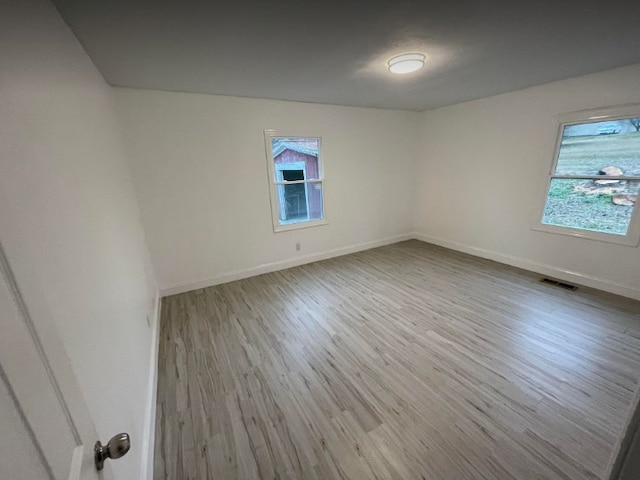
405	362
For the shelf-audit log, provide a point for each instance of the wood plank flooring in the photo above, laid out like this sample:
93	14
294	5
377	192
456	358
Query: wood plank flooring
404	362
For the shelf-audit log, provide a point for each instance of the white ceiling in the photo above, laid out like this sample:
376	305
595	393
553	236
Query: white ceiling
335	52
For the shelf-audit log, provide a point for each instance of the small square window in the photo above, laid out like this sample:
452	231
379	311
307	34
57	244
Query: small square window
295	180
592	188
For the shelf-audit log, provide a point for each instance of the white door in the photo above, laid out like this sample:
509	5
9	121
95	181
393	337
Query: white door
46	427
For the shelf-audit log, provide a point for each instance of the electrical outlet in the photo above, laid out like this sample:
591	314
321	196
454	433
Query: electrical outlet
298	247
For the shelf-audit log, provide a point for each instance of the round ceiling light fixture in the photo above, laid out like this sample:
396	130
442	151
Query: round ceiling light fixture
406	63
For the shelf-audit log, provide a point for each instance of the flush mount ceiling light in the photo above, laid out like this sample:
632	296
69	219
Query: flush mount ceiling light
406	63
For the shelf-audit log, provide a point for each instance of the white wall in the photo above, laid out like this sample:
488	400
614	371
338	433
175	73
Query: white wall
480	169
68	216
201	177
68	209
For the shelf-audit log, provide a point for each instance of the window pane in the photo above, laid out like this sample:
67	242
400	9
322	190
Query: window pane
314	193
292	175
588	148
291	154
587	205
300	202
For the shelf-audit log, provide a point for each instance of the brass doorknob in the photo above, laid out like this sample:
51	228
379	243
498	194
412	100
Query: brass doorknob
117	447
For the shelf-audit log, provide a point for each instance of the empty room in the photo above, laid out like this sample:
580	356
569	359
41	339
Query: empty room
319	240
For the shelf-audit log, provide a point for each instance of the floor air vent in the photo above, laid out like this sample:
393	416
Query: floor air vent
566	286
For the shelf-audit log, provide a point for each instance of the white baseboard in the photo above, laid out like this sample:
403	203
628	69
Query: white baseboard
280	265
627	446
520	262
544	269
149	428
531	265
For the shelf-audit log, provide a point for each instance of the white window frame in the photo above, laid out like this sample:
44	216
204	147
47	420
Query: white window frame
632	238
269	135
291	166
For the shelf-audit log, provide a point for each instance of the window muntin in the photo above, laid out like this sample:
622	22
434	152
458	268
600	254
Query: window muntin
295	180
593	185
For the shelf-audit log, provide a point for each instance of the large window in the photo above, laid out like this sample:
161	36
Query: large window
296	181
592	189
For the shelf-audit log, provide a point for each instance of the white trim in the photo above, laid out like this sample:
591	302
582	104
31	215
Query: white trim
301	224
628	240
620	112
279	265
533	266
149	428
274	196
279	168
520	262
622	449
526	264
603	114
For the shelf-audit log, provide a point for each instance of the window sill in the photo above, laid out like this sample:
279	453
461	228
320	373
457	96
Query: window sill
299	225
628	240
